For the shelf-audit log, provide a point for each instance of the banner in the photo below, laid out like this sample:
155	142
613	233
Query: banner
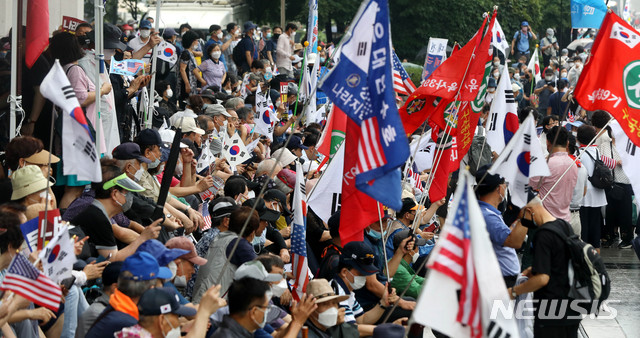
129	67
30	233
436	54
70	24
48	228
587	13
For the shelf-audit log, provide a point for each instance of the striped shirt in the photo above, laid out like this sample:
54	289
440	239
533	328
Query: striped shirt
351	305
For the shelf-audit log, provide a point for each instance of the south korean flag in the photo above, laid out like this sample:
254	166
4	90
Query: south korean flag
234	151
624	34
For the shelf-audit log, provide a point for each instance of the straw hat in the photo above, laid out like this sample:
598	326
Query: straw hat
25	181
323	292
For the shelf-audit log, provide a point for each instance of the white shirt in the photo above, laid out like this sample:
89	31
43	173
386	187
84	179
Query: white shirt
595	197
284	50
578	190
137	44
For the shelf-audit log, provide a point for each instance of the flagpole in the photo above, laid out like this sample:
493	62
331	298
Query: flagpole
154	57
384	241
577	158
15	97
99	56
304	65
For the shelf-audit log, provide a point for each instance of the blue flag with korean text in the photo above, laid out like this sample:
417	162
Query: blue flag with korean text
361	85
587	13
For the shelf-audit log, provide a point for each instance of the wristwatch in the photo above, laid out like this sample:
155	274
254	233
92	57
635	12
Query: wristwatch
514	295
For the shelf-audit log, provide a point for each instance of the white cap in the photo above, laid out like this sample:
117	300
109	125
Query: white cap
167	136
188	125
254	269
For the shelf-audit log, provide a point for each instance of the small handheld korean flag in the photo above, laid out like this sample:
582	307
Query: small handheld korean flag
234	151
58	256
206	157
167	52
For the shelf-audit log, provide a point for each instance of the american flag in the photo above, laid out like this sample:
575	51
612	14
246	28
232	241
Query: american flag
25	280
455	261
370	153
414	178
402	83
570	116
204	210
298	237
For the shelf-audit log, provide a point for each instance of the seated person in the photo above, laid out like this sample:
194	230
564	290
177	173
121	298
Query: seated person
405	218
405	272
30	190
328	319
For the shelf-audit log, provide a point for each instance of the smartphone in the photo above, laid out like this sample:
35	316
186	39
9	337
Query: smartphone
431	228
102	259
68	282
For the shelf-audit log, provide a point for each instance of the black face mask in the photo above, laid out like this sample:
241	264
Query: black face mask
528	223
275	37
119	55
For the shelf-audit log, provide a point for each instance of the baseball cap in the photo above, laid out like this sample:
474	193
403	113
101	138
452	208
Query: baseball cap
490	181
280	197
162	254
208	93
288	177
221	207
42	157
254	269
249	25
124	182
112	36
322	291
188	125
148	137
265	213
145	24
215	110
388	330
110	273
524	23
169	32
286	158
185	244
401	235
27	180
408	204
128	151
167	136
158	301
127	27
296	142
359	256
143	266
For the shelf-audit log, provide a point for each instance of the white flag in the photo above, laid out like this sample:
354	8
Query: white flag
520	160
206	157
503	116
325	197
167	52
58	256
498	39
311	108
234	151
629	155
266	115
534	66
424	153
79	153
449	259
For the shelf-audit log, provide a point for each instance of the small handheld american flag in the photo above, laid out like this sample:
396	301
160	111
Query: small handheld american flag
204	210
25	280
455	261
402	83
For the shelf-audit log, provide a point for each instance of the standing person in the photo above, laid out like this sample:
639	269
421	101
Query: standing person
284	50
142	39
233	33
580	189
544	89
217	38
65	47
246	51
520	44
549	275
619	199
549	46
187	81
213	71
272	44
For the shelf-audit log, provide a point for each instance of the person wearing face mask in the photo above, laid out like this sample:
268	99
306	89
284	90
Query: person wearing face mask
166	102
213	70
267	238
544	88
145	31
549	46
405	272
328	320
271	44
505	240
356	263
284	50
216	38
246	52
30	189
575	71
186	263
548	277
492	85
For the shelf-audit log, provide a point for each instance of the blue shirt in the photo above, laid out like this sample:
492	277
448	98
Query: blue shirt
498	233
522	41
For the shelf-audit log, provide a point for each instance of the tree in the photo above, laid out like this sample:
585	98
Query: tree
111	11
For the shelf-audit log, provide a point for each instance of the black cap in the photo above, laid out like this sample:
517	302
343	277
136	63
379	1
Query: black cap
148	137
128	151
158	301
169	32
408	204
112	36
222	207
490	181
359	256
209	94
388	330
265	213
110	273
401	235
280	197
249	25
296	142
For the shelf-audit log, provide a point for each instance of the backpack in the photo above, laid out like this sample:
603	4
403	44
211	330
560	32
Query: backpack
588	278
602	177
479	154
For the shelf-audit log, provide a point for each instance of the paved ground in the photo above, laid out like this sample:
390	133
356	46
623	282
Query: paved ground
623	267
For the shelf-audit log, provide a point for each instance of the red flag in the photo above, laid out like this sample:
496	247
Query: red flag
456	47
38	31
481	55
334	132
358	210
444	82
611	78
445	165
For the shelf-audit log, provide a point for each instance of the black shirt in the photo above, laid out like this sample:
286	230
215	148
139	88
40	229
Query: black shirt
551	257
97	226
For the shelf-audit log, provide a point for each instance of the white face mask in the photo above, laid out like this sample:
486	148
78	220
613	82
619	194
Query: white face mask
173	333
328	317
293	35
145	33
264	318
219	35
548	78
358	281
44	194
155	163
563	75
174	268
180	281
516	76
415	257
216	54
496	75
169	93
279	288
496	63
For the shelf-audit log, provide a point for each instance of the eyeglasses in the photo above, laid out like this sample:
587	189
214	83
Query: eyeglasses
232	119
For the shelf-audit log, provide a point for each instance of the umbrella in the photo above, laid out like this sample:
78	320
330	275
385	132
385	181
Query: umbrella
579	42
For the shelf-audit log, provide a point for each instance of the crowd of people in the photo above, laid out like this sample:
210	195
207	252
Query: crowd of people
221	267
